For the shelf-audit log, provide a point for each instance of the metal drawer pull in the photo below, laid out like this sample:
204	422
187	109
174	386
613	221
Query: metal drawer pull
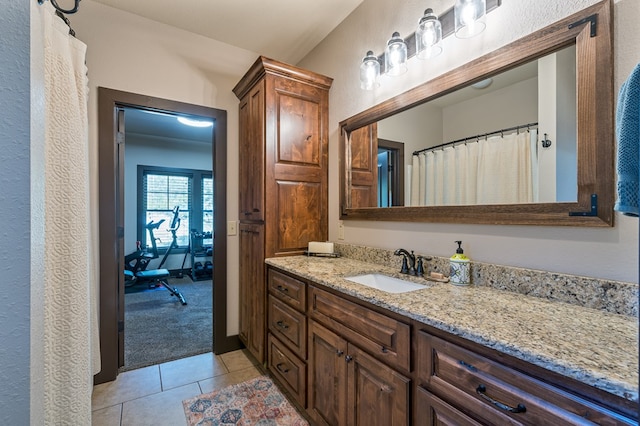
281	324
339	352
481	390
283	289
280	369
348	358
468	366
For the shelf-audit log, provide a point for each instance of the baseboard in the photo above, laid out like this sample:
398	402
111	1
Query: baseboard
227	344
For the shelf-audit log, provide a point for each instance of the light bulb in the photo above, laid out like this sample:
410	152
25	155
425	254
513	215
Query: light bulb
469	17
396	56
428	36
369	72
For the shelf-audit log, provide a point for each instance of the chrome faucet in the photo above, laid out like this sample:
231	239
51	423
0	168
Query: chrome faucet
411	267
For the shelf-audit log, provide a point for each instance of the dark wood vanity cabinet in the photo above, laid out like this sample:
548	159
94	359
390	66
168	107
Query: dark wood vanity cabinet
347	386
354	354
283	154
348	362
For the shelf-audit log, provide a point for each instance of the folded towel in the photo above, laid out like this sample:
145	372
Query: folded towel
628	135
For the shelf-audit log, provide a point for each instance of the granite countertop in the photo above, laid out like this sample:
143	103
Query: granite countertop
592	346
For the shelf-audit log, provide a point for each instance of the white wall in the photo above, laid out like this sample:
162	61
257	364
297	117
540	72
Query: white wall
610	253
486	112
133	54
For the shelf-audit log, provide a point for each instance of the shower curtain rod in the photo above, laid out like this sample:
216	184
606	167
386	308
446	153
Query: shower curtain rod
60	12
483	135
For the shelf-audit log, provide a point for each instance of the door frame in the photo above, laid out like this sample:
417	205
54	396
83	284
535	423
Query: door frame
110	209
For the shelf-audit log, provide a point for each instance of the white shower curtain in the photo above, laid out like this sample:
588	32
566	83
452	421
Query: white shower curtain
498	170
71	352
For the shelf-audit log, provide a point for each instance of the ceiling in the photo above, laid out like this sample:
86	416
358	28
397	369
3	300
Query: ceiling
164	126
285	30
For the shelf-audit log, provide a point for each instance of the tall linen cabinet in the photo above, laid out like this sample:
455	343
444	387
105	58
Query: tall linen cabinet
283	154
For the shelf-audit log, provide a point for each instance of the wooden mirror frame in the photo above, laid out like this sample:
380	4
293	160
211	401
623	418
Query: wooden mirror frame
591	32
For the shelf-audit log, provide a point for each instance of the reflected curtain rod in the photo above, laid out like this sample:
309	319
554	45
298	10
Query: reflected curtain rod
483	135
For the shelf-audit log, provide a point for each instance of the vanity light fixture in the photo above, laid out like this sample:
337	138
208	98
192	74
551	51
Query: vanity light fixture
369	72
395	55
429	36
195	123
469	17
465	19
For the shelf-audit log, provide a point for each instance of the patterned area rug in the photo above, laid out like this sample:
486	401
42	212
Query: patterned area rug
256	402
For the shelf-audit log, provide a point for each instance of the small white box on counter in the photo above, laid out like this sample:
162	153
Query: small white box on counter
320	247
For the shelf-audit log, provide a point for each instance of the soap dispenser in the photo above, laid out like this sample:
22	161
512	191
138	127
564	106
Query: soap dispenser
460	267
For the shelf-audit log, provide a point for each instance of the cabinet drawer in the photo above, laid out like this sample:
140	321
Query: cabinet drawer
385	338
487	390
289	325
288	289
290	371
432	411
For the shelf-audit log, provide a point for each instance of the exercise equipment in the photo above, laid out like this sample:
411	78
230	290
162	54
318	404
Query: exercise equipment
135	264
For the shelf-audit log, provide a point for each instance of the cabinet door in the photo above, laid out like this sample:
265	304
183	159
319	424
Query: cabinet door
251	152
364	167
377	394
296	165
432	411
252	289
327	387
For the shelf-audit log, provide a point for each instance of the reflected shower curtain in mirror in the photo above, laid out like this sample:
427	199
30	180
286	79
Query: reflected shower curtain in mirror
496	170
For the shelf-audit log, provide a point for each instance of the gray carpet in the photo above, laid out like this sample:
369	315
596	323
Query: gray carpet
158	328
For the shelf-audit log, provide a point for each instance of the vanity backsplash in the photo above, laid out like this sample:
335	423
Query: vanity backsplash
606	295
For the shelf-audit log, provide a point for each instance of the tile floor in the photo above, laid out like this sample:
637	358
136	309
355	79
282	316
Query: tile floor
153	395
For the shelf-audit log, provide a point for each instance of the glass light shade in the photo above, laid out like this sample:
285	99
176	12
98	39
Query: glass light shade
395	56
428	36
469	16
369	72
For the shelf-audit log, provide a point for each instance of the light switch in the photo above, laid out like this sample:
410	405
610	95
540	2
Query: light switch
232	228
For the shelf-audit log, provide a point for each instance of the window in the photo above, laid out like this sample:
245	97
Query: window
160	191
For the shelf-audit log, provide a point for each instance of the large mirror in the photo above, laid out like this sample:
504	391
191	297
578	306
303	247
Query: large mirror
523	135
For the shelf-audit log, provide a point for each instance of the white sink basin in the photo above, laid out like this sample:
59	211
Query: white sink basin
385	283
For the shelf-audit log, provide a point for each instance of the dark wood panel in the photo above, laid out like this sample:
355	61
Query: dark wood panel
378	395
298	206
251	152
252	289
327	383
299	139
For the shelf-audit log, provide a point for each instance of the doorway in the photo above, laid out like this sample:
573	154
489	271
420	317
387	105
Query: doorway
111	226
390	173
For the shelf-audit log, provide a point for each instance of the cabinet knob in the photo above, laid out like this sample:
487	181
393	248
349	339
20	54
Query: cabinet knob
339	352
348	358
